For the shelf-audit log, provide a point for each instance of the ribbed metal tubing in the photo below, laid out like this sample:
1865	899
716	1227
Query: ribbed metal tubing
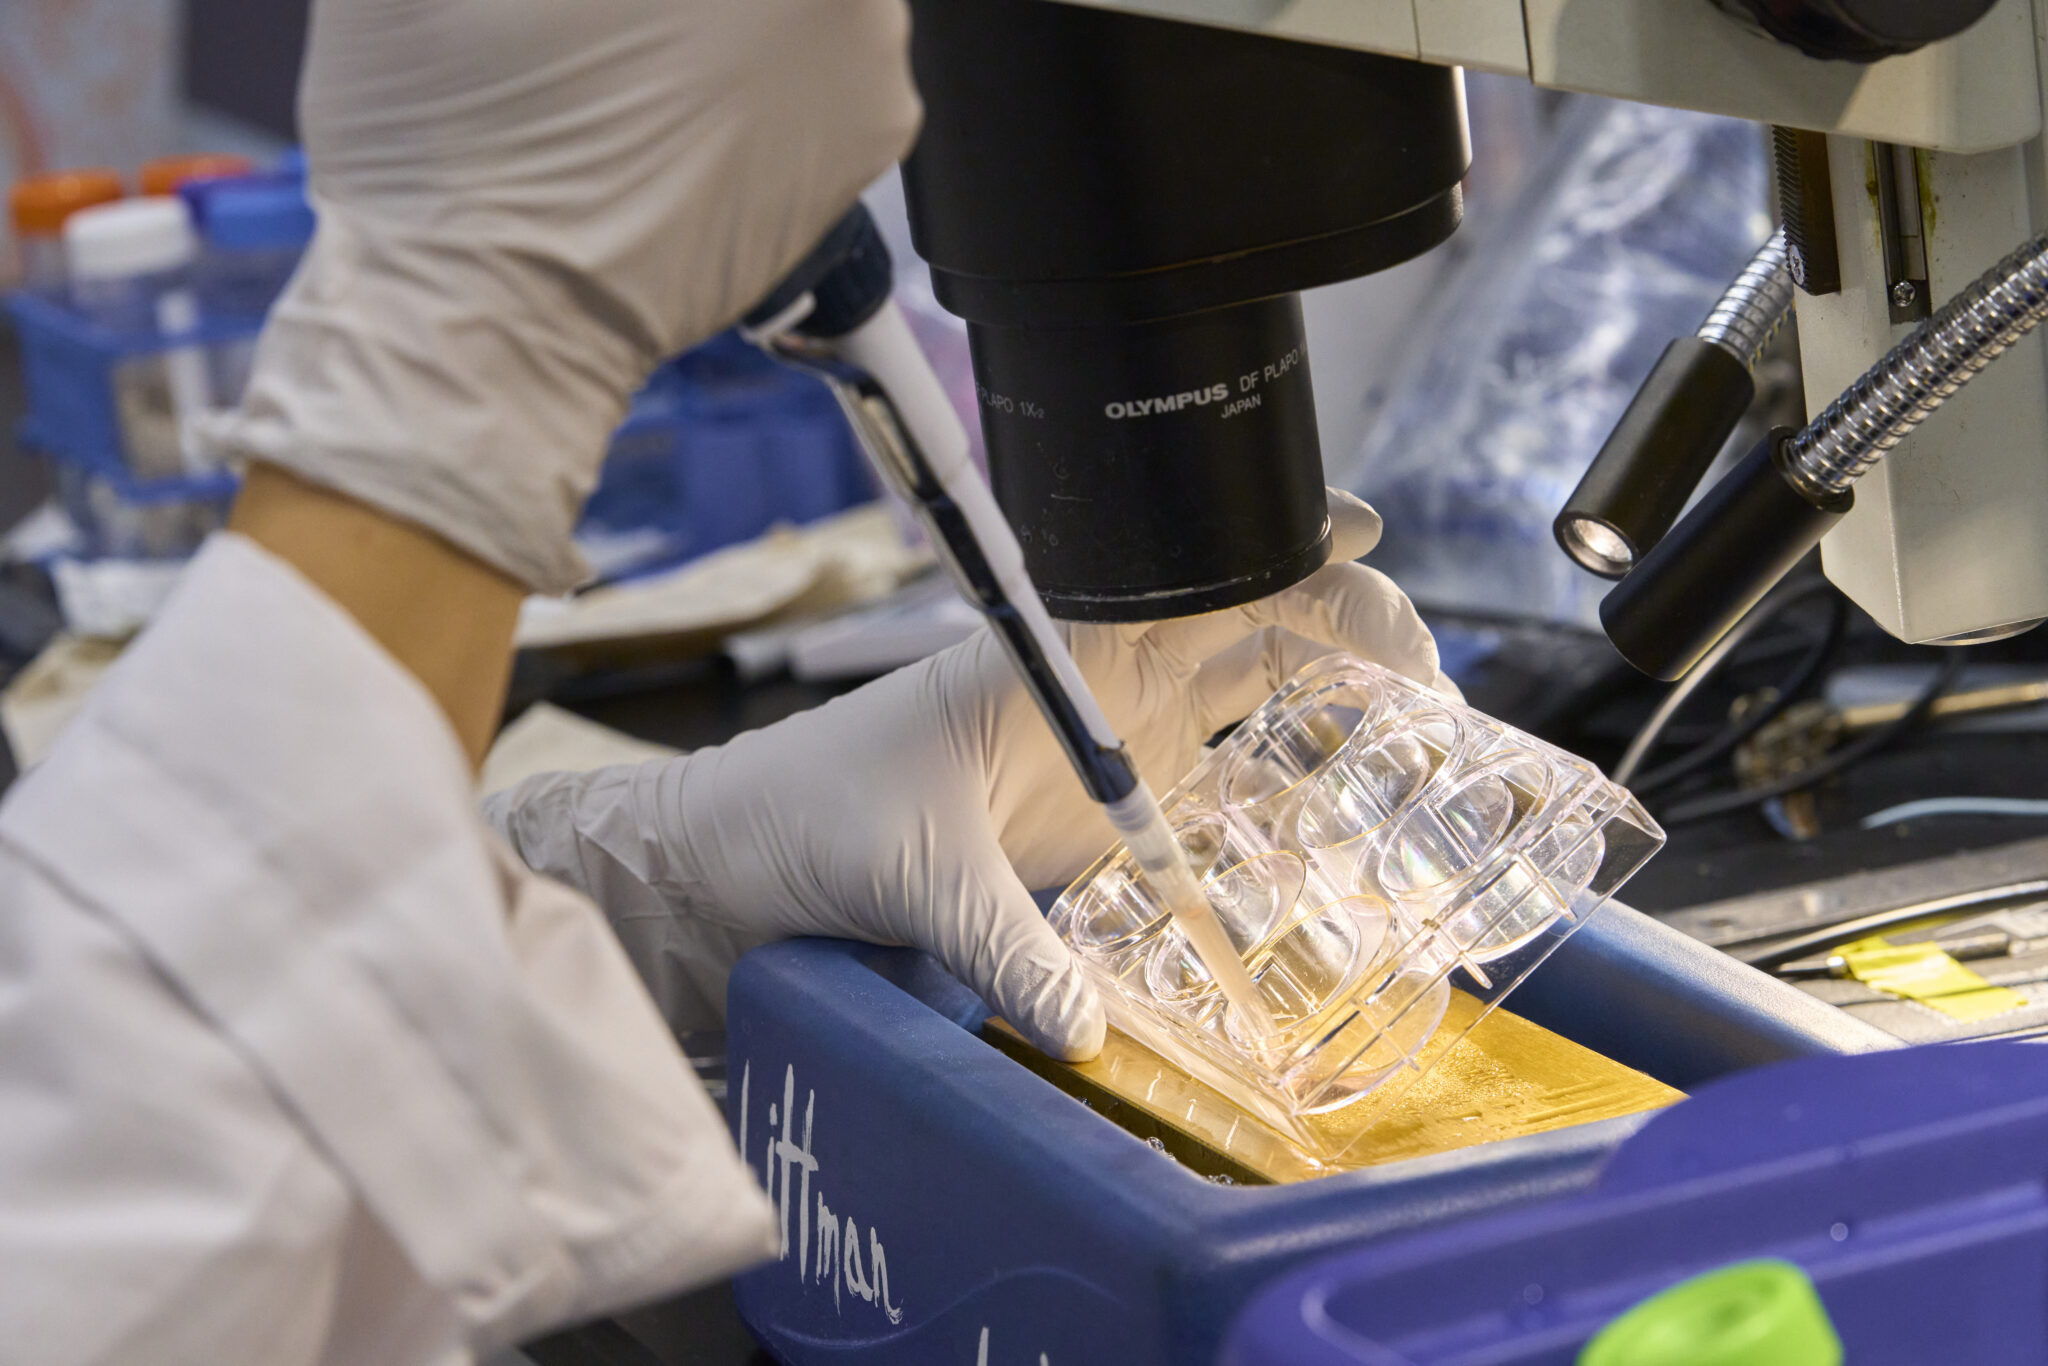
1917	376
1754	306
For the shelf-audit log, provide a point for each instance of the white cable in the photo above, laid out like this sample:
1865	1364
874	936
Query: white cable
1955	806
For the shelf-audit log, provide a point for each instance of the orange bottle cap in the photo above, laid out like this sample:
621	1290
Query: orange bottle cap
166	174
39	204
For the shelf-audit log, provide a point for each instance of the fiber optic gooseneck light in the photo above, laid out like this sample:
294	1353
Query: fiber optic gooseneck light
1759	520
1677	423
1124	210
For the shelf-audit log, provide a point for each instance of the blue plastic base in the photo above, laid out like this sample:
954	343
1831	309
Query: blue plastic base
942	1204
1909	1186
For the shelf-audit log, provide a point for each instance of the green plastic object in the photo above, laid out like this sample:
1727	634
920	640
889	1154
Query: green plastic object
1758	1313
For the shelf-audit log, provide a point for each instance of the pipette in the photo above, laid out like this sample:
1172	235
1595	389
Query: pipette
865	353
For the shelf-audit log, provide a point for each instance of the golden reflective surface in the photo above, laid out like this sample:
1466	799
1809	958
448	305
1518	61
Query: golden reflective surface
1507	1078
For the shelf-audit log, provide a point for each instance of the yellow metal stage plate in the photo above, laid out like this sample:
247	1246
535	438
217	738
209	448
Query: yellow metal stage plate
1506	1078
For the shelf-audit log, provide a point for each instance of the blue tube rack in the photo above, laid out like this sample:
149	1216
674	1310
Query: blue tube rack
68	365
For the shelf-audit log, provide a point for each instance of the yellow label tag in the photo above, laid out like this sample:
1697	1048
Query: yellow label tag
1925	973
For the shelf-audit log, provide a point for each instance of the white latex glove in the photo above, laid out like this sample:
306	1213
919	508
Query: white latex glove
523	205
920	808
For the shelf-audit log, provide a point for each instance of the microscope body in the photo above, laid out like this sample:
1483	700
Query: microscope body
1124	210
1917	171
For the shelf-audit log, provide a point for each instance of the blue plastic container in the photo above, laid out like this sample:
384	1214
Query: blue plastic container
1911	1186
763	443
643	484
722	444
992	1219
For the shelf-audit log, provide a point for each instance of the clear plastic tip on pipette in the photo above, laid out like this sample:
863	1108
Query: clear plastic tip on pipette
1163	865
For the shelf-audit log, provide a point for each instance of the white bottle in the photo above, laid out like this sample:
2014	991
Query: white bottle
130	266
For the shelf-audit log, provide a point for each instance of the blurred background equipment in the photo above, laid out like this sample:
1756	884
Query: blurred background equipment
1620	234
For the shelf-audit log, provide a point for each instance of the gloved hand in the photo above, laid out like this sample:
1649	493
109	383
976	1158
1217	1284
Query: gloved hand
920	808
523	205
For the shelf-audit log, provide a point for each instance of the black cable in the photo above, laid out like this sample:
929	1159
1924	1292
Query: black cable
1735	732
1771	950
1691	685
1699	808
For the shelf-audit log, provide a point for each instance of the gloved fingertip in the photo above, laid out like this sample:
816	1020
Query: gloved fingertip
1086	1027
1444	684
1062	1016
1414	658
1354	526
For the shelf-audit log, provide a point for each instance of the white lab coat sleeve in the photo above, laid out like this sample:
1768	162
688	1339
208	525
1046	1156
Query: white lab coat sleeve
297	1062
601	833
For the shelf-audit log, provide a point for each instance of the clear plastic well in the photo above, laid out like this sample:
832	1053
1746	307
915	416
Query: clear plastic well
1389	863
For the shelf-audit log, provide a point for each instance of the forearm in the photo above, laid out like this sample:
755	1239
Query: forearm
444	615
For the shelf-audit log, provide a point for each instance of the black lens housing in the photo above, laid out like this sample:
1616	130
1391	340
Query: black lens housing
1655	457
1739	540
1097	441
1124	210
